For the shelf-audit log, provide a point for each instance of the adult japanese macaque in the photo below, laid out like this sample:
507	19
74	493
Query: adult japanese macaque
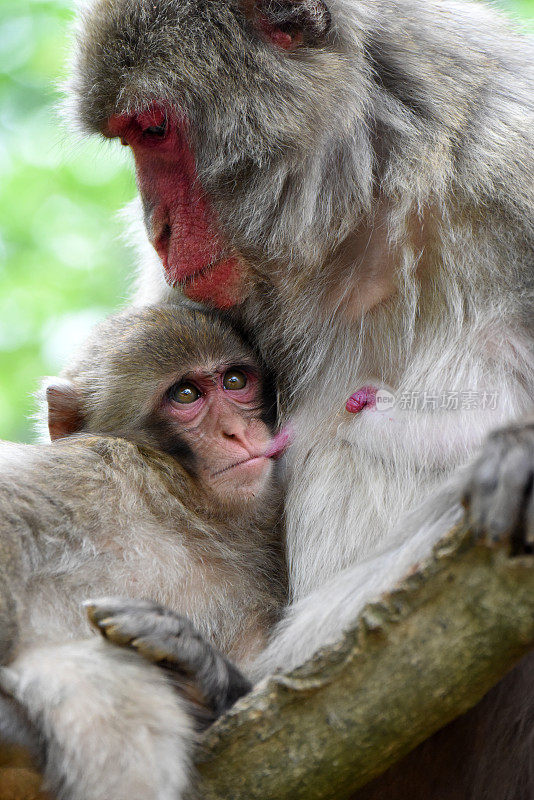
159	486
356	178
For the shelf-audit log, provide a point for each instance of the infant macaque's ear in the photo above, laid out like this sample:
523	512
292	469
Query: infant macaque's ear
64	408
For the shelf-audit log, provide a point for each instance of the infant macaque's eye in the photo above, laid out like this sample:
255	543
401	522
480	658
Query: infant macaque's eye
184	392
234	379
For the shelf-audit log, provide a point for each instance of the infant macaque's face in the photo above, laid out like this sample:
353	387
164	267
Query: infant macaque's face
217	412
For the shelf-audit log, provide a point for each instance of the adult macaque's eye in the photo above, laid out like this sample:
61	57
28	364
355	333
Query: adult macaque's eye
153	123
234	379
156	130
183	393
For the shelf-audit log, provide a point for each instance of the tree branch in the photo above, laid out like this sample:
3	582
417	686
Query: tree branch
426	653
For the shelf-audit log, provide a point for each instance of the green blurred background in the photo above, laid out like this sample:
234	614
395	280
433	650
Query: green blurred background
62	262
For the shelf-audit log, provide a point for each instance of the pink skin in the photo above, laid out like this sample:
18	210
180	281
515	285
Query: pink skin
363	398
181	225
284	41
232	444
280	442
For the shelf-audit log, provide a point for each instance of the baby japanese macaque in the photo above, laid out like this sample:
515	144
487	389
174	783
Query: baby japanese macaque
159	488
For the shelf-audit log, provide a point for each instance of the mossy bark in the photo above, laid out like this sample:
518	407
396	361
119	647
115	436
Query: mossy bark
427	652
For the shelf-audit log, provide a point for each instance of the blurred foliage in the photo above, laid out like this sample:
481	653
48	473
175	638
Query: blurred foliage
62	264
521	8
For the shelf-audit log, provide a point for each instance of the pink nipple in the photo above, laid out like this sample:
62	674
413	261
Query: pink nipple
366	396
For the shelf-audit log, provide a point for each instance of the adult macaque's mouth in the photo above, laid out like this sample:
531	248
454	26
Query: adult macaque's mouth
217	283
178	274
187	280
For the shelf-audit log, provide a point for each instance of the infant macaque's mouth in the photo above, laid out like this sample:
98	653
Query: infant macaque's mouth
276	447
279	443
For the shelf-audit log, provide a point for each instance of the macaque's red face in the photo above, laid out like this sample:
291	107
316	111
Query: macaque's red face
217	414
210	96
180	223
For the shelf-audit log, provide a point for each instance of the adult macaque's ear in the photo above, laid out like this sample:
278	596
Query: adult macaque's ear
64	408
290	23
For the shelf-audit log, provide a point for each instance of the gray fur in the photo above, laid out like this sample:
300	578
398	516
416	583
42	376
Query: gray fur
92	514
399	150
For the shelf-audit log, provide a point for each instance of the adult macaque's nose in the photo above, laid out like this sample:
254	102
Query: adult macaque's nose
159	232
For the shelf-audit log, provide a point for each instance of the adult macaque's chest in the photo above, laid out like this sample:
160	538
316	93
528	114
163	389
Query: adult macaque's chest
352	476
